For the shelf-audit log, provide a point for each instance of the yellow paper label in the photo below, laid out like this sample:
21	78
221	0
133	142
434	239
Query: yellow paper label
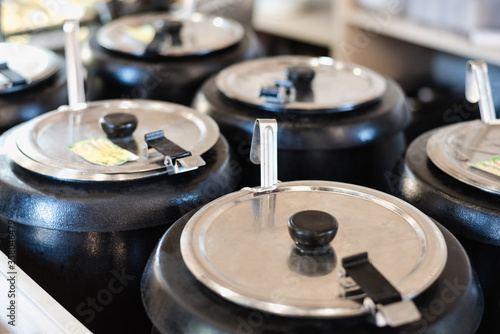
491	166
102	151
143	33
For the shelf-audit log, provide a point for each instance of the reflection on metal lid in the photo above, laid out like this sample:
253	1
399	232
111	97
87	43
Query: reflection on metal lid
41	145
240	247
456	148
335	86
167	35
24	65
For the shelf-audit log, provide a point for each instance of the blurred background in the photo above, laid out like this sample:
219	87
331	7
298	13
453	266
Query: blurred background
421	44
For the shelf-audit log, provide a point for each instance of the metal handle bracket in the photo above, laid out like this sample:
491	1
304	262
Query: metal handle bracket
264	151
478	89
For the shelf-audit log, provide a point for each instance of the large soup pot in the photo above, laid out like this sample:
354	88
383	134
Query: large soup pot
441	176
163	56
85	231
338	121
262	260
32	81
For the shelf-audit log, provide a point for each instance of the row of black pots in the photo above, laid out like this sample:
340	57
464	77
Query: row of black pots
358	146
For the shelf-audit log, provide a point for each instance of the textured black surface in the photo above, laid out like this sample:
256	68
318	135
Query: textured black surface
463	209
177	303
86	243
470	214
355	147
26	104
31	199
114	75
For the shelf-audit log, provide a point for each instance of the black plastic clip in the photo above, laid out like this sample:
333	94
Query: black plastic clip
164	31
14	78
282	92
382	299
177	160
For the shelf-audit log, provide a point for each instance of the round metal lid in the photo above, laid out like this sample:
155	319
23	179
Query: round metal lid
24	65
239	247
41	144
455	149
335	87
167	35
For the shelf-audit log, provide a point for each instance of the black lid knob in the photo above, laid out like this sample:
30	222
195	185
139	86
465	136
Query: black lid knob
301	76
118	125
312	230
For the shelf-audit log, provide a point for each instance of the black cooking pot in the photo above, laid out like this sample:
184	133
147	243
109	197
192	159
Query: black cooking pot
337	121
162	56
32	81
84	231
442	175
301	257
116	8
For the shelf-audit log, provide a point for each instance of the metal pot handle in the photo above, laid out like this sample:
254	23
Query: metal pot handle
75	81
478	89
264	151
74	69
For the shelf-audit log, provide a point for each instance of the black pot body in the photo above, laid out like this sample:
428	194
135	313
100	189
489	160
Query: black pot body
178	303
472	215
114	75
26	104
87	243
357	147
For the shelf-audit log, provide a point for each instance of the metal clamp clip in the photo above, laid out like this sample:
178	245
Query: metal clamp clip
177	160
167	34
264	151
281	93
297	86
13	78
382	301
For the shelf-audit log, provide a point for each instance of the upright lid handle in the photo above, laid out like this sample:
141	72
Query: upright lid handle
264	151
2	39
1	30
478	89
74	68
188	8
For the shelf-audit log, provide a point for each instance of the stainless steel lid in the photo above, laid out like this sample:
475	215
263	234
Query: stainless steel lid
240	246
41	144
300	83
169	35
457	149
24	65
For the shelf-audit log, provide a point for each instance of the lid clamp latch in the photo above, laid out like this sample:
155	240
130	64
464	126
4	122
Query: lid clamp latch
167	33
383	302
13	78
281	93
177	160
296	87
